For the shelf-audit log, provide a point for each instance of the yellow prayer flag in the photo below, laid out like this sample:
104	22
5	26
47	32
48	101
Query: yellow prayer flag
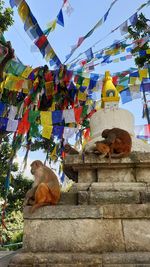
26	72
47	131
119	88
133	80
89	102
49	88
46	118
148	51
49	54
23	10
82	96
115	60
86	82
25	90
52	108
143	74
53	154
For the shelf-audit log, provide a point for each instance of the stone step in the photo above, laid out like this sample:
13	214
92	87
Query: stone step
103	193
111	211
128	259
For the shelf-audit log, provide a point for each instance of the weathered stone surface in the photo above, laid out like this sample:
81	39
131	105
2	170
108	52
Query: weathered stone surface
116	175
87	176
63	212
137	234
68	198
126	258
130	211
57	259
130	259
145	197
80	187
126	265
120	186
143	174
83	198
114	197
78	235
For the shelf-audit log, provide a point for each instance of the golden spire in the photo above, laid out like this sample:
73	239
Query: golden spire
109	91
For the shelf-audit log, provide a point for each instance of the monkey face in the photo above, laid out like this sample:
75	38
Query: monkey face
35	165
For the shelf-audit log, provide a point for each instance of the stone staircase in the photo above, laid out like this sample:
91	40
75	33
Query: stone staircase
104	220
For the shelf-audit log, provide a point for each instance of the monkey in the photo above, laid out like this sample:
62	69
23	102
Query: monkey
68	171
117	143
9	55
45	189
70	150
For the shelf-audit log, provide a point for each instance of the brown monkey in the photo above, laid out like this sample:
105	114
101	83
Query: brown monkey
45	189
9	55
68	171
117	143
70	150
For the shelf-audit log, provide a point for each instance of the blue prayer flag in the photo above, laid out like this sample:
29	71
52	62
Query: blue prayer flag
60	19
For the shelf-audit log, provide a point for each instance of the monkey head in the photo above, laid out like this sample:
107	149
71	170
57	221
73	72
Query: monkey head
67	148
102	147
35	165
105	133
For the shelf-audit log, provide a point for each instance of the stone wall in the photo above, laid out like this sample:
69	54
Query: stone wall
104	220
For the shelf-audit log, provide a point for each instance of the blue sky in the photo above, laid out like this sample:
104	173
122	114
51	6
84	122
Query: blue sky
85	15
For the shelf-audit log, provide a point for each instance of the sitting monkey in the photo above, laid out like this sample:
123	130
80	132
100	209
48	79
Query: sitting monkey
117	143
45	189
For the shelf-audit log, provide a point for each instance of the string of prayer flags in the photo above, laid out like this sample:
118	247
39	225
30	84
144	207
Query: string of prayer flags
60	18
123	29
98	24
34	31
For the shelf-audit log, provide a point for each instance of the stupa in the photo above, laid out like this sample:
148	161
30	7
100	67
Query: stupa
110	116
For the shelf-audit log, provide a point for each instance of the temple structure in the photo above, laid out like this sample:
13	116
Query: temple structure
111	116
104	220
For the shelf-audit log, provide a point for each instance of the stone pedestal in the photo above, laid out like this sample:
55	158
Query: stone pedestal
103	221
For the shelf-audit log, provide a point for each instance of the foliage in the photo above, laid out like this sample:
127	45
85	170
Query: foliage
15	196
6	17
140	30
14	232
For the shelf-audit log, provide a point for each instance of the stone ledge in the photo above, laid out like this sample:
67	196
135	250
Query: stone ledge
63	212
113	197
118	186
136	158
130	259
116	211
53	259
